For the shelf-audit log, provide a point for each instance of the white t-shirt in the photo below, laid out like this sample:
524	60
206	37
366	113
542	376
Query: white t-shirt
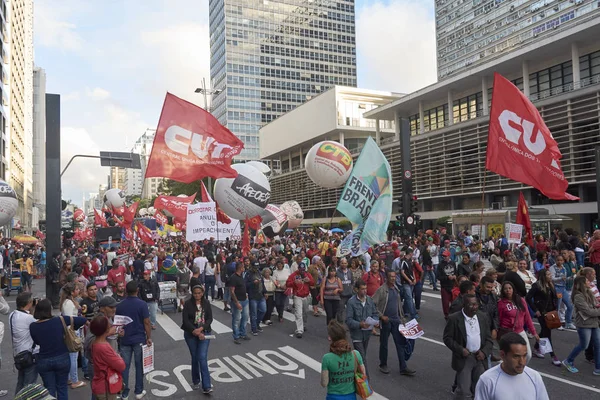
495	384
69	308
21	338
200	262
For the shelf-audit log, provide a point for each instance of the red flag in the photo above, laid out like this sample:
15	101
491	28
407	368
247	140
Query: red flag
99	219
40	235
204	194
175	205
191	144
145	234
520	145
128	234
118	222
254	222
118	211
246	239
88	233
523	219
129	214
221	216
161	219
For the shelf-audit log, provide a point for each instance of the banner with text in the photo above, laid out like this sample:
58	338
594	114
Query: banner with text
202	224
514	233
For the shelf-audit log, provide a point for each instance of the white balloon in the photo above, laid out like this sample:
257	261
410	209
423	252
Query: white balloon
262	167
274	221
114	198
143	211
244	196
294	213
8	203
151	210
328	164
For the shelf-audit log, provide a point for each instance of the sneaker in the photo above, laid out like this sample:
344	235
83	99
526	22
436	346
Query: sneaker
538	354
78	385
384	369
3	393
207	391
299	335
125	398
596	372
269	322
140	395
571	327
570	367
86	377
255	333
408	372
237	341
436	289
556	361
259	329
226	309
560	328
246	338
196	386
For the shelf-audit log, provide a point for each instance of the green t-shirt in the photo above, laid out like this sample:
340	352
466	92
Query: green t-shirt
341	372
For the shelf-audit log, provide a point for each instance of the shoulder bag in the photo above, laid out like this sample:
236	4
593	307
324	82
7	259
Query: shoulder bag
551	317
25	358
361	382
72	341
113	380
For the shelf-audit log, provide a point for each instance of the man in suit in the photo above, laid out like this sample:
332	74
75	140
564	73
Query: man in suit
468	335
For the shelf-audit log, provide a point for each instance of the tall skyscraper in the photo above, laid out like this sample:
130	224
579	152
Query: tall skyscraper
21	107
39	141
269	56
133	178
4	102
471	33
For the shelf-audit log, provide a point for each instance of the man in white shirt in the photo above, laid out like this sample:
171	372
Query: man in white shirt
512	379
200	261
19	321
468	335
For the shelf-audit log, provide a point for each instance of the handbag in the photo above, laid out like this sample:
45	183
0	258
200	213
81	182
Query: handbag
25	358
113	381
361	382
72	341
504	331
551	317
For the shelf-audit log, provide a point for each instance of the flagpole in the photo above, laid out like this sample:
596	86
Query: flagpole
481	233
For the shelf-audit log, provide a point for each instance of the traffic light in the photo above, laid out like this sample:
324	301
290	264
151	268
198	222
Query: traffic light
414	204
596	224
399	223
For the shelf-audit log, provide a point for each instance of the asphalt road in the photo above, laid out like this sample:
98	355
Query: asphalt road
277	365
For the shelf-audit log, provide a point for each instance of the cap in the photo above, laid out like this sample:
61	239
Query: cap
446	253
446	241
107	301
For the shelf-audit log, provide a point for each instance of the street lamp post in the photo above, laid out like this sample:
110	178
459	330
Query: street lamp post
205	92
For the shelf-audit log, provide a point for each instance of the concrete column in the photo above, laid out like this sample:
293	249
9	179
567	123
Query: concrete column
301	159
377	132
290	158
396	125
576	67
341	140
421	118
484	95
525	67
450	108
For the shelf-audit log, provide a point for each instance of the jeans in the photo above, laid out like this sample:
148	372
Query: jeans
199	352
239	318
418	289
55	373
585	336
566	298
135	351
409	304
270	306
387	328
152	309
580	258
280	301
257	312
300	312
209	285
361	347
431	276
26	377
331	308
73	376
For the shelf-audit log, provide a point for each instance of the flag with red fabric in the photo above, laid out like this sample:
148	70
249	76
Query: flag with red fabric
523	219
254	222
191	144
246	239
161	218
118	211
129	214
520	145
221	216
175	205
118	221
145	234
128	234
99	219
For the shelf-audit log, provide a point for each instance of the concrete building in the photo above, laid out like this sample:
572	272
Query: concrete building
336	114
39	141
21	107
268	57
117	178
473	33
133	178
4	98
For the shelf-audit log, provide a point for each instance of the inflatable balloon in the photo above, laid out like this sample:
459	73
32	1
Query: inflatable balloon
78	215
143	212
151	210
294	213
8	203
114	198
328	164
244	196
262	167
274	221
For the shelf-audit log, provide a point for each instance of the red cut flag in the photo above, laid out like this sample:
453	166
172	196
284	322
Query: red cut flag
520	145
254	222
204	194
523	219
246	240
175	205
191	144
145	234
161	219
118	211
129	214
128	234
99	219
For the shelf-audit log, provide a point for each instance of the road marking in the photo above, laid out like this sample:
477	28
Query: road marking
170	326
286	315
556	378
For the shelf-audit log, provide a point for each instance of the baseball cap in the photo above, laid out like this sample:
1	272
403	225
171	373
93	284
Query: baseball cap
107	301
430	239
446	253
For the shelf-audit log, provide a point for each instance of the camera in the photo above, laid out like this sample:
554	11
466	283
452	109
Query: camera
36	300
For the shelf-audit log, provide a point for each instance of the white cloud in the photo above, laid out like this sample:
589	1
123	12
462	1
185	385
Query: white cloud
52	28
97	93
396	46
71	96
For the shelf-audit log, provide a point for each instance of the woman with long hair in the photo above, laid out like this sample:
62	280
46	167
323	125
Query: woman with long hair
587	323
197	318
513	315
542	299
69	307
338	366
280	276
560	278
331	287
108	364
525	274
64	272
211	269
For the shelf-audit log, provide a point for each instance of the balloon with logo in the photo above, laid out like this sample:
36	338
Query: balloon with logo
151	210
143	212
274	221
262	167
114	198
78	215
328	164
8	203
294	213
244	196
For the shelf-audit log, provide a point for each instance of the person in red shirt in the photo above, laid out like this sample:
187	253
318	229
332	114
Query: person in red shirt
300	282
374	278
108	365
594	251
88	270
116	274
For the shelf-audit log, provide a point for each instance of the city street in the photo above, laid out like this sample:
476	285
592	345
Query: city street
276	365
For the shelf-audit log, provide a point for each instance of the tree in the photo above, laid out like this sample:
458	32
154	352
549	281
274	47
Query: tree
345	225
174	188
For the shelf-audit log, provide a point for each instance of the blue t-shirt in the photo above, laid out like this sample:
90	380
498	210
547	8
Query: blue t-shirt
43	258
49	333
136	309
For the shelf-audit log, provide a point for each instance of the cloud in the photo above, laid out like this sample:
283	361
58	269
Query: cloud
70	96
97	93
52	28
396	45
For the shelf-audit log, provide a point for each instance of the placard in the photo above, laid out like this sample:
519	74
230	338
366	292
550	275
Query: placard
148	358
121	320
514	233
202	224
411	330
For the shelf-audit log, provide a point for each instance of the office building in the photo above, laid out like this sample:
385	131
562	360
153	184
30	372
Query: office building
117	178
268	57
133	178
21	107
4	98
472	33
336	114
39	142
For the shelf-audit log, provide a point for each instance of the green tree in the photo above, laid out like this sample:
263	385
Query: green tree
345	225
173	188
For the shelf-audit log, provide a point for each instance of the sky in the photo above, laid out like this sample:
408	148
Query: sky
113	61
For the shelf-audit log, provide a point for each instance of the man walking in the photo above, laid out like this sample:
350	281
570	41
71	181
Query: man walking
239	304
408	281
19	321
467	334
136	333
255	287
300	282
360	307
150	293
447	273
347	281
389	309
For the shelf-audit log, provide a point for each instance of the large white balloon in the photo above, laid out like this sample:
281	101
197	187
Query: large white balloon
8	203
274	221
244	196
294	213
261	166
328	164
151	210
114	198
143	212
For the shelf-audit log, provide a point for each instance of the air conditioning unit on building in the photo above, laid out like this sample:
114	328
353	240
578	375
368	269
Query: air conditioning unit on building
496	205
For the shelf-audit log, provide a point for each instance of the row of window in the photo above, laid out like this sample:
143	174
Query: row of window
294	53
308	87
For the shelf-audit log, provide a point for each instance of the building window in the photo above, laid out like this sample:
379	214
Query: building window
553	78
435	118
414	124
468	107
590	65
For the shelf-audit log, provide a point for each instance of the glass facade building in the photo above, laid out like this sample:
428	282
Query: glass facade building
268	57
